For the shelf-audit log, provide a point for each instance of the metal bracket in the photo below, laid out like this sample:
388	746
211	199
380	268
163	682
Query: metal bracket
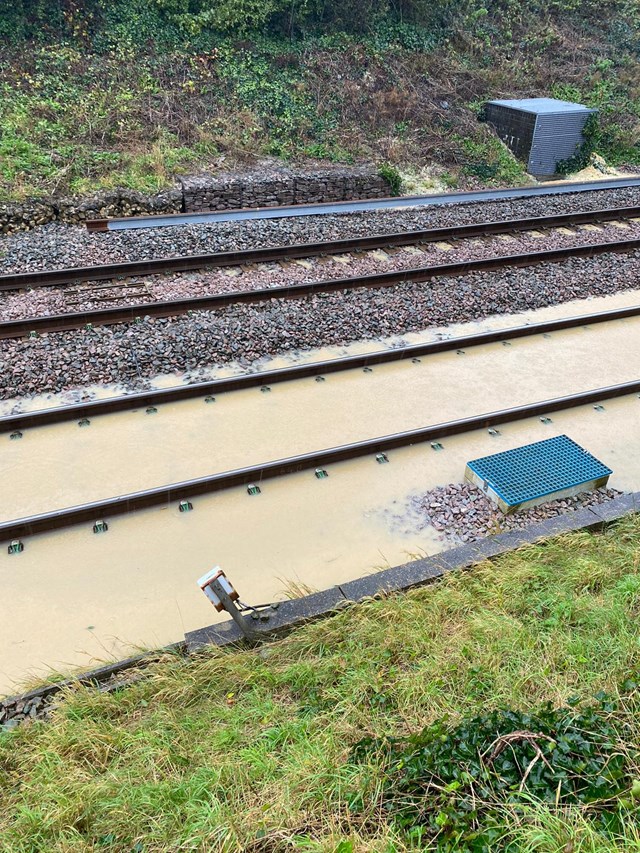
232	609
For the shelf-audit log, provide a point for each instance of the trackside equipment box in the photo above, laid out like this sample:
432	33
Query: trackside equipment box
539	131
536	473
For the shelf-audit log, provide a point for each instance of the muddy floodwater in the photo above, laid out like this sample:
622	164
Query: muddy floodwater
73	598
64	465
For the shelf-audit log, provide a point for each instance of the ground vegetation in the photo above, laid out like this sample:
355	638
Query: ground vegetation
97	94
495	710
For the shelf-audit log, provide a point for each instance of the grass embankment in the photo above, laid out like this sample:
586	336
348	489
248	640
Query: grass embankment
118	94
252	750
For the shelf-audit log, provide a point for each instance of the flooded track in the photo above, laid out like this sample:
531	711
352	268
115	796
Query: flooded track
72	598
67	464
76	597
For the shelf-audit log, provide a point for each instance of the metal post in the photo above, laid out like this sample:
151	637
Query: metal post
231	608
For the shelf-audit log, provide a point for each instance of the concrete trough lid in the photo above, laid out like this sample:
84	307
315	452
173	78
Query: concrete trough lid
536	473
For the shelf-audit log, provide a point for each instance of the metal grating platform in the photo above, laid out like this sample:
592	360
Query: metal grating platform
536	473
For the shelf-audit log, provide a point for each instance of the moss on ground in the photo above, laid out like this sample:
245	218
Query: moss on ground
251	750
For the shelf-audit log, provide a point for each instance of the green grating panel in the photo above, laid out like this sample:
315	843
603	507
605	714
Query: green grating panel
537	470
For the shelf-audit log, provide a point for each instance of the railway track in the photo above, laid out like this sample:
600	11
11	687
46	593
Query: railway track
124	581
132	466
175	307
74	276
226	430
253	476
267	378
77	598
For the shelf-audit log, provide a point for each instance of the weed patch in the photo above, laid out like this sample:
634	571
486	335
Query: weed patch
130	94
452	784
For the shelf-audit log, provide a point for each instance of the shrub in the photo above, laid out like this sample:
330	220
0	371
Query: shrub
453	783
392	176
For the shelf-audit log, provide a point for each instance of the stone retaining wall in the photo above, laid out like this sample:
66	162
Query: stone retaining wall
108	203
201	193
118	203
22	217
207	192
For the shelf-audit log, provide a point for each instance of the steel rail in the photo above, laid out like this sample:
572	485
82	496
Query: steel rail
127	402
134	313
357	205
162	495
104	272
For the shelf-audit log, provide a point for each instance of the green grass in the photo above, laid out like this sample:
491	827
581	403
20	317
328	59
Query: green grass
73	120
72	124
250	750
77	115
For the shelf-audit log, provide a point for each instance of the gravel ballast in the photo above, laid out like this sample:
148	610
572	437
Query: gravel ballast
57	246
461	512
132	354
44	301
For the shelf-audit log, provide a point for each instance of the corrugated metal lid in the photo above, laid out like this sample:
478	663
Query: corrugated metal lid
542	105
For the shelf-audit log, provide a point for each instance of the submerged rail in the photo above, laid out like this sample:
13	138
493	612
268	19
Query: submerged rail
104	509
126	402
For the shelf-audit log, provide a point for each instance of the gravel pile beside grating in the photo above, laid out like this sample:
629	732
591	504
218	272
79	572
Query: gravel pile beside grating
207	282
462	513
190	345
57	246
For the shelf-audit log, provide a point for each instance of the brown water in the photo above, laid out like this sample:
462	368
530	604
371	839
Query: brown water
72	597
63	465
